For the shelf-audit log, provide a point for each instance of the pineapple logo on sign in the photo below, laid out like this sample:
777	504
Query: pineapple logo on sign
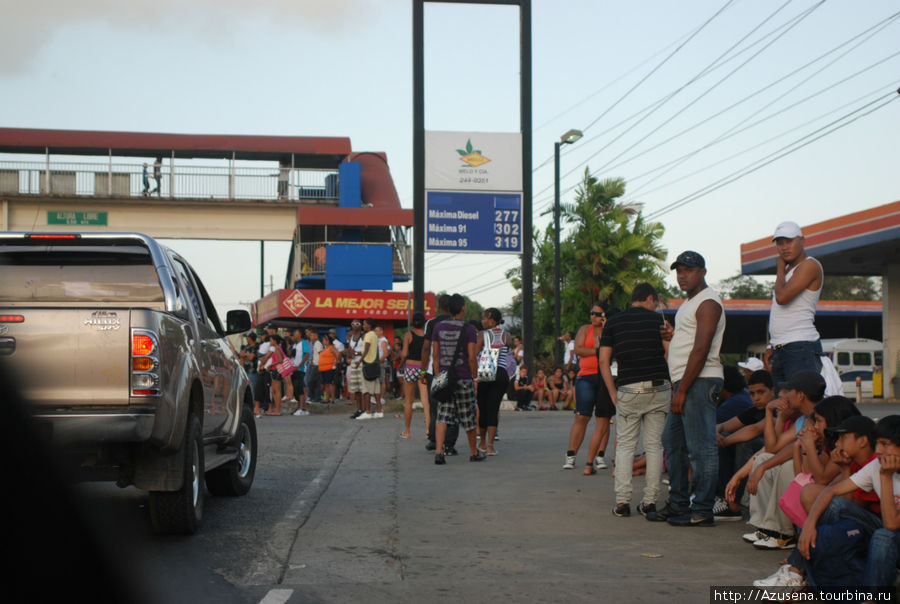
472	157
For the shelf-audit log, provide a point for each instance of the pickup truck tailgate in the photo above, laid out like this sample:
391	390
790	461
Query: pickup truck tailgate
69	357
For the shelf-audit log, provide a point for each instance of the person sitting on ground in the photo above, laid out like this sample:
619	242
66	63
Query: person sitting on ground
773	469
570	390
819	542
734	398
557	385
750	365
524	389
738	439
541	392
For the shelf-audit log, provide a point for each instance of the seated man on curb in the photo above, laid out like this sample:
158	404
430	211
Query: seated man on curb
773	470
882	476
739	438
734	398
853	449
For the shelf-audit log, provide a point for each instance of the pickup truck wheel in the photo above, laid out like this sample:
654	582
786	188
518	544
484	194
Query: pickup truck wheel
236	477
181	511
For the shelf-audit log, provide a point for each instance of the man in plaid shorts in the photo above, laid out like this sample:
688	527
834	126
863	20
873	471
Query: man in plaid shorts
461	406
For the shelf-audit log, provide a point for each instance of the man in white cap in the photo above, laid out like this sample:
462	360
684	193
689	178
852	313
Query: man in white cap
793	339
750	365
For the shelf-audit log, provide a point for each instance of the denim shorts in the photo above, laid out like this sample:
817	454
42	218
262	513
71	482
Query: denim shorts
591	397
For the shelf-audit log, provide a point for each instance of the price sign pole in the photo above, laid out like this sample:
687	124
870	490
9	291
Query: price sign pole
472	192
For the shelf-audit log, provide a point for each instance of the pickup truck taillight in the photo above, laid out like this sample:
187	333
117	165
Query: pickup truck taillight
144	363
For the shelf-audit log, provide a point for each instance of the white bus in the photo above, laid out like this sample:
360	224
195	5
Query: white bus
854	358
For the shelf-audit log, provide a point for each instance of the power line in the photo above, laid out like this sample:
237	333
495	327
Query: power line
796	21
775	156
871	31
736	129
767	141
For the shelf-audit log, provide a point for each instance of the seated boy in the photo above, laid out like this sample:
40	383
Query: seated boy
881	476
854	448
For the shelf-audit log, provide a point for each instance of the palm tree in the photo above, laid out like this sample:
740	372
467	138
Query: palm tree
608	249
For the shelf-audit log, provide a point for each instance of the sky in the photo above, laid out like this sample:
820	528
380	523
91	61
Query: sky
677	98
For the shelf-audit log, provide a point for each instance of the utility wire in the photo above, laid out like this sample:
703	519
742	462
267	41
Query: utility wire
541	202
776	155
652	107
730	134
796	21
736	129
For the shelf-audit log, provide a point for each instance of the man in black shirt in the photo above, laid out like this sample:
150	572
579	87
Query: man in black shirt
642	392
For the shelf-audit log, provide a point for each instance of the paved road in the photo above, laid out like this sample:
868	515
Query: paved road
345	510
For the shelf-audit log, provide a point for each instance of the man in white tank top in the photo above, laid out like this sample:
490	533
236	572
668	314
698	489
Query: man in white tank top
793	339
689	438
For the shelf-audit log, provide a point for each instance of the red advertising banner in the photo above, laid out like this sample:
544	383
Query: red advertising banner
337	304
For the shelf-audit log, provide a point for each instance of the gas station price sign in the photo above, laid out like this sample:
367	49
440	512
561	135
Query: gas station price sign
458	221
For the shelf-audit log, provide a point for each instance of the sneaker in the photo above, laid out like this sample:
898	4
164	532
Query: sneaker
293	400
754	536
298	412
692	519
430	446
773	542
729	515
570	463
643	509
622	510
378	415
479	456
599	463
783	577
365	416
720	506
356	414
450	451
663	514
439	459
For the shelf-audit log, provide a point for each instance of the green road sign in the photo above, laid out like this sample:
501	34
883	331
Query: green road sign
71	218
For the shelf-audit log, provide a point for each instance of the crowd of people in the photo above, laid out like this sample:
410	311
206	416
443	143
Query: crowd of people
771	439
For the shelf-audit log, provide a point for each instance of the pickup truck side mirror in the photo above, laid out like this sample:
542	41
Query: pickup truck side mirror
237	321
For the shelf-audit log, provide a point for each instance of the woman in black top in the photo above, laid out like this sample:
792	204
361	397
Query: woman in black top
411	361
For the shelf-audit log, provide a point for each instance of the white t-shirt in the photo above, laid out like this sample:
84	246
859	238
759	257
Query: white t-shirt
570	351
683	339
317	347
868	478
338	345
264	349
383	348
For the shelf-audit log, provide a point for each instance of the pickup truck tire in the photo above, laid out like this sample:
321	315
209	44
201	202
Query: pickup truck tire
180	511
236	477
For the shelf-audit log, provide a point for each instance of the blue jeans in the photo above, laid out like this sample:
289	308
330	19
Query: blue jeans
689	440
881	564
841	508
794	357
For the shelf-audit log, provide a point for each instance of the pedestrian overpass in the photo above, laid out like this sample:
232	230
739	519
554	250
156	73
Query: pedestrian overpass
220	187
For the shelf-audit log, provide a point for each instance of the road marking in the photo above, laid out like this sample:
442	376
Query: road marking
277	596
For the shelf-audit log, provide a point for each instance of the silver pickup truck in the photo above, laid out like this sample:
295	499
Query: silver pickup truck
118	348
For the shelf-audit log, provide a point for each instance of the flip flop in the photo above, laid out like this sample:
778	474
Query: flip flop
404	435
589	469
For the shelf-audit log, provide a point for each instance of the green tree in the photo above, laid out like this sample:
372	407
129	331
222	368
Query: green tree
745	287
842	287
608	248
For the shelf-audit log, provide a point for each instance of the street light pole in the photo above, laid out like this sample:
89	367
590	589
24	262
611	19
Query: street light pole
566	139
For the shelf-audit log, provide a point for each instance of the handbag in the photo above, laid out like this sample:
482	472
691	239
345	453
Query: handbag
790	502
487	362
444	383
371	371
285	367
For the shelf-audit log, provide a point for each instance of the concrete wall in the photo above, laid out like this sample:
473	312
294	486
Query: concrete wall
172	219
891	327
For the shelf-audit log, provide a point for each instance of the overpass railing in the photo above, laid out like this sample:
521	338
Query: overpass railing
107	179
